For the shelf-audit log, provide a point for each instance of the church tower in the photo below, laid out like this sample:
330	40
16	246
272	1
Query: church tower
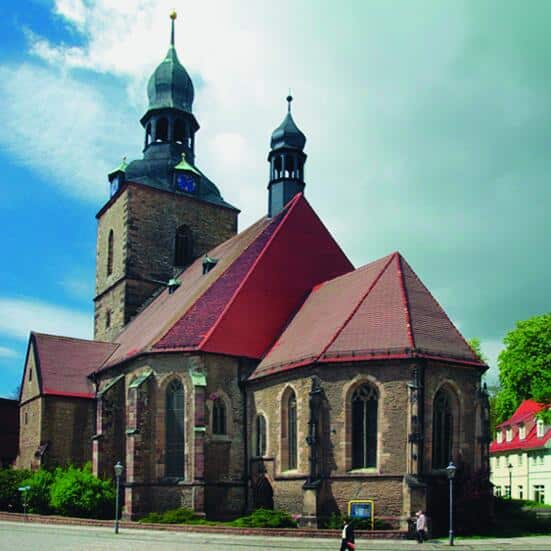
286	160
163	211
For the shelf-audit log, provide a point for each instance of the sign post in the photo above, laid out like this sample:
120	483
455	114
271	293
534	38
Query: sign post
363	509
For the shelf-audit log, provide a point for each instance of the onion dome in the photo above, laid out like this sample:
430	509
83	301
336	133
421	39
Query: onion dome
288	134
170	85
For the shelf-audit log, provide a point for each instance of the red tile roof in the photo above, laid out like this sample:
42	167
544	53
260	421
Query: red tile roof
381	310
524	415
241	306
63	363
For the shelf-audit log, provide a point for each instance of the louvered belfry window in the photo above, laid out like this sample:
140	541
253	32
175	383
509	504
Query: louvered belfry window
364	427
442	430
183	246
175	435
110	240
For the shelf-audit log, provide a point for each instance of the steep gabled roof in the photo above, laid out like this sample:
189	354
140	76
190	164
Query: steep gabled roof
525	414
63	363
381	310
241	306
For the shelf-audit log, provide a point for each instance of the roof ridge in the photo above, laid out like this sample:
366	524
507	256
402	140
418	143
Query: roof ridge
351	272
405	299
64	337
290	206
355	309
454	328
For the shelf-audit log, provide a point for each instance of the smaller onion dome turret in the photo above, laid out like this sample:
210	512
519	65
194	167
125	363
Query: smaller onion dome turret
288	134
286	160
170	84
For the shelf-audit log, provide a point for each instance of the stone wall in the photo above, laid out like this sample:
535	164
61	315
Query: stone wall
30	432
386	483
67	426
144	223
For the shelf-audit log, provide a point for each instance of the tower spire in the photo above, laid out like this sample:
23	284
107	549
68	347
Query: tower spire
173	16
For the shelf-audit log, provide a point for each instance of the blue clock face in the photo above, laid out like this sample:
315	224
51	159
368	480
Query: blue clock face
186	182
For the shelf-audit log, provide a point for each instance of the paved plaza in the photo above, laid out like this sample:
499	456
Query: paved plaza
18	536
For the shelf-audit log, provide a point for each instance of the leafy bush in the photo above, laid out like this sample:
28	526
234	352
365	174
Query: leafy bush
78	493
266	518
336	521
174	516
10	481
38	495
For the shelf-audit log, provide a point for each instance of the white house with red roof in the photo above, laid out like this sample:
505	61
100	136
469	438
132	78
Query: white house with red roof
520	455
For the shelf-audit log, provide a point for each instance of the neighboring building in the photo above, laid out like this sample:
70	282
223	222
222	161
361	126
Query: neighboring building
9	431
257	368
520	456
57	401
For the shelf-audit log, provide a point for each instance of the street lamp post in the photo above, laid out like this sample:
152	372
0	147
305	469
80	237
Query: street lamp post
450	471
118	472
510	467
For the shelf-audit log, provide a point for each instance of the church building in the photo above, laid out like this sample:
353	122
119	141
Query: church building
231	371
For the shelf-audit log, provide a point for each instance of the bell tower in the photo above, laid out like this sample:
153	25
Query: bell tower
163	211
286	160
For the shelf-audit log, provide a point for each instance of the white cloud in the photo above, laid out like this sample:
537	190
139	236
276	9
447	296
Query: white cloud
18	317
6	352
491	349
230	148
64	129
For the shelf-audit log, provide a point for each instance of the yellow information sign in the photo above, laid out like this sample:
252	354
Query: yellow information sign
363	509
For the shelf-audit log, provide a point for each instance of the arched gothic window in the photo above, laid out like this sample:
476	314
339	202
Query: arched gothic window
219	416
442	430
110	240
175	435
364	427
161	130
183	246
260	442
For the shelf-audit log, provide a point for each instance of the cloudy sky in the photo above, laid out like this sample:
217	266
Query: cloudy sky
428	125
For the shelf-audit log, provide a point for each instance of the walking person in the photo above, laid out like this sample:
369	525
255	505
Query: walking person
347	536
421	526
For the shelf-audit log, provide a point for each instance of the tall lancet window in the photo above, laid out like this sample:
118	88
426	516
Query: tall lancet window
110	240
175	416
288	445
292	431
260	443
219	416
442	429
364	427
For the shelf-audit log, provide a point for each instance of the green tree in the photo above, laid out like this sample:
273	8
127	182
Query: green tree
474	343
525	366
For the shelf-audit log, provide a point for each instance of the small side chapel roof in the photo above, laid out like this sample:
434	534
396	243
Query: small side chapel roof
379	311
241	305
63	363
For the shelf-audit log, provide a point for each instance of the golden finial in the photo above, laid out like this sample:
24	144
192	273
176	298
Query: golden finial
183	155
173	15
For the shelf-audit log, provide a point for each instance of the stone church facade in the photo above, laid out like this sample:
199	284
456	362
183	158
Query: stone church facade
235	370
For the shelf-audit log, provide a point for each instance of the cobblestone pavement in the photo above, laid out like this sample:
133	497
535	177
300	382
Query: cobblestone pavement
18	536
